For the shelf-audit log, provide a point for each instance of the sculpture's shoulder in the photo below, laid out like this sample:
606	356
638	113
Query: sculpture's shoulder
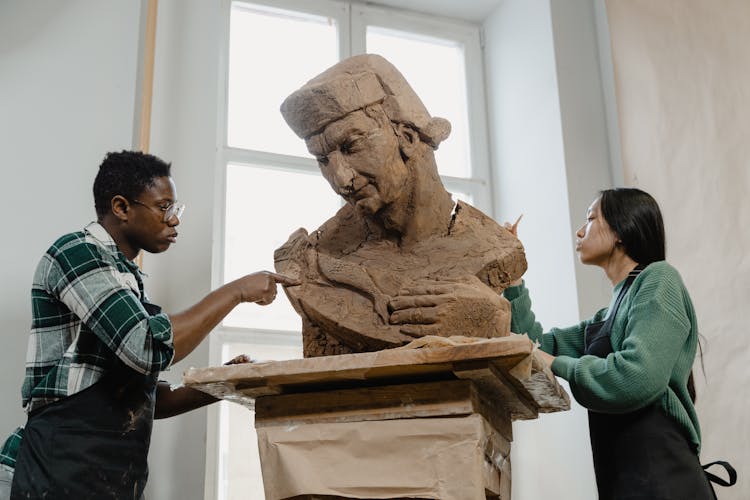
340	235
486	245
345	222
343	230
343	233
468	219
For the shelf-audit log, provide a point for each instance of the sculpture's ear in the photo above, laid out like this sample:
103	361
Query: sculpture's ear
408	140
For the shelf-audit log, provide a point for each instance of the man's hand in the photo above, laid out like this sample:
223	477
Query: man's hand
467	307
191	326
239	360
260	287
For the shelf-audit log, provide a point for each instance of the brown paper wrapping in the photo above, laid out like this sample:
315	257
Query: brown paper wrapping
447	458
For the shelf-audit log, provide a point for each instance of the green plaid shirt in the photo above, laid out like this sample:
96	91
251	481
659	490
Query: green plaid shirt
87	316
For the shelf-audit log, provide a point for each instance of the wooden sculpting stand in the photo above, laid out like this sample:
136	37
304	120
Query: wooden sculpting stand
393	424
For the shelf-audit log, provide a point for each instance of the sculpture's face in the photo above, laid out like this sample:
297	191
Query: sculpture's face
361	160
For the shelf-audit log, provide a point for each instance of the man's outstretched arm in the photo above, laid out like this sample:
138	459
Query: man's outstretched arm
191	326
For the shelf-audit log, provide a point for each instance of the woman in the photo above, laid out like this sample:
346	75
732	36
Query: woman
630	368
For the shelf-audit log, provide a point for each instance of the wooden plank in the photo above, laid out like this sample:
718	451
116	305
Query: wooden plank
496	387
497	415
430	399
511	379
534	382
147	88
147	83
548	397
361	366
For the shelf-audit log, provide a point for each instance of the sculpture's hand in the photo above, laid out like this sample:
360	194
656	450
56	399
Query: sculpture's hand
445	308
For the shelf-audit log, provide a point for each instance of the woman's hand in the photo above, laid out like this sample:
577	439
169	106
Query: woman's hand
546	357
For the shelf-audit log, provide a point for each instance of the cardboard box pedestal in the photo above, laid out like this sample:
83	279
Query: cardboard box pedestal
447	458
392	424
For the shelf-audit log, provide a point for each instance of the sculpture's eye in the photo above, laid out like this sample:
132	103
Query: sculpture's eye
322	159
352	144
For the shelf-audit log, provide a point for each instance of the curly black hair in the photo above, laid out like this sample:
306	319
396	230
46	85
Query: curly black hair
127	173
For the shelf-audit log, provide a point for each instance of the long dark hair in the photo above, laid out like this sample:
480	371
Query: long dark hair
635	218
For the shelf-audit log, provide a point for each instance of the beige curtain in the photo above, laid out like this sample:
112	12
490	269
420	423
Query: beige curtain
682	77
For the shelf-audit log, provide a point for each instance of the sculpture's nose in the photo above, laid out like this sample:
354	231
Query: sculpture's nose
341	174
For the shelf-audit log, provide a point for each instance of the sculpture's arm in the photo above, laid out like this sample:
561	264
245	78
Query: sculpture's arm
299	259
355	276
289	258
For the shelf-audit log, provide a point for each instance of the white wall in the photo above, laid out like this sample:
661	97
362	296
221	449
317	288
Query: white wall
68	74
184	131
67	92
550	156
584	127
682	72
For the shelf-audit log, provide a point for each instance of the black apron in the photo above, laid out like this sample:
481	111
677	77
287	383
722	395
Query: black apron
91	445
642	455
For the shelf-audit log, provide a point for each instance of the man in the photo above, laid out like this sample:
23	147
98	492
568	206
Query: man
97	344
400	259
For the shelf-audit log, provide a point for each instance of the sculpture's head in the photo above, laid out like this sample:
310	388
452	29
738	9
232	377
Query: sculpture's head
363	122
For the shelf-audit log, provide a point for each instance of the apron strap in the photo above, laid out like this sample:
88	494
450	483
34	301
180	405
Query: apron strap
632	275
596	333
718	480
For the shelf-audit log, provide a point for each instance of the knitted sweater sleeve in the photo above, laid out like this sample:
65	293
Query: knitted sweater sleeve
636	374
558	341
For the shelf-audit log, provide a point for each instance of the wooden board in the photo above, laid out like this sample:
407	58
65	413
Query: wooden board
412	400
506	372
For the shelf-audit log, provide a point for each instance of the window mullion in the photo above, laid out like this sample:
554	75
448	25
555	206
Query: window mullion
272	160
358	26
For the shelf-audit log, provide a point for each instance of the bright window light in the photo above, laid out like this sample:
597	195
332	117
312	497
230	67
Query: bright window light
436	71
466	197
239	462
265	67
263	207
272	186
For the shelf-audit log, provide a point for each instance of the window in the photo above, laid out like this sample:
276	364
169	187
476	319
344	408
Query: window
270	184
259	80
413	44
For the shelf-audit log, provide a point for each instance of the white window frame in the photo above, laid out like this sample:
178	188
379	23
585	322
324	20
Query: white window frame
478	183
352	19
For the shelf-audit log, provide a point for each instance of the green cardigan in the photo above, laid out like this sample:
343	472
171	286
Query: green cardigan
654	337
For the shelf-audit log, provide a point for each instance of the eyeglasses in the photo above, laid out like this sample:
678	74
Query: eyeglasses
173	210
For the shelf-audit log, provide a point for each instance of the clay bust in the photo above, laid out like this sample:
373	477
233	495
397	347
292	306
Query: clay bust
400	260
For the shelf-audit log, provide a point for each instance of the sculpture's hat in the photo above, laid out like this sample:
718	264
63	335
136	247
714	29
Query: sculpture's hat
353	84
